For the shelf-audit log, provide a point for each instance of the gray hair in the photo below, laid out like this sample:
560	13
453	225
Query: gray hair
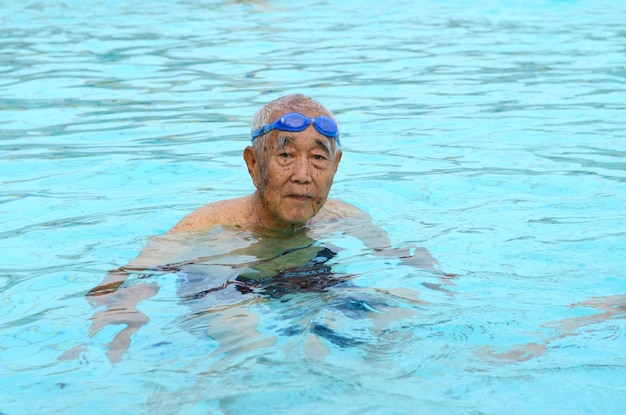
293	102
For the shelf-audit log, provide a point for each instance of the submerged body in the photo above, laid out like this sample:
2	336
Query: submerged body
292	163
221	275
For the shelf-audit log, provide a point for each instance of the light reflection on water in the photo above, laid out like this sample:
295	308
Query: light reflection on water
490	133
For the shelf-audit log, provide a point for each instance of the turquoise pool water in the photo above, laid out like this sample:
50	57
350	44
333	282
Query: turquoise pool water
491	133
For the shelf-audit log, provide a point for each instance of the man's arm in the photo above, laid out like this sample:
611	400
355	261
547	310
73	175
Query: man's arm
120	308
360	225
609	308
117	303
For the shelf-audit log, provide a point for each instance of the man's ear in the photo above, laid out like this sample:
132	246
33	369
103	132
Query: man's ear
252	161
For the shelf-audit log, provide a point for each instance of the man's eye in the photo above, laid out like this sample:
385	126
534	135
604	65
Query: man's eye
319	157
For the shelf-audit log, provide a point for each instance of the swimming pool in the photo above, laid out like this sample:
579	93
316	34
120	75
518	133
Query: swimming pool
492	133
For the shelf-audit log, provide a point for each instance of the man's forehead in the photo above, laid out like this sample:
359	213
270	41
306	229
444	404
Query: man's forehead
309	112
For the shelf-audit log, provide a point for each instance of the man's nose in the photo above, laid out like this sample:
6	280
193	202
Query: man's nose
301	171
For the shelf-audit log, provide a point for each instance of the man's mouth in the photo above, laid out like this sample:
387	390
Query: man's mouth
300	198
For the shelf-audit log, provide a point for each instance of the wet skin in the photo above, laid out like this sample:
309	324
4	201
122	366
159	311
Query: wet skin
295	178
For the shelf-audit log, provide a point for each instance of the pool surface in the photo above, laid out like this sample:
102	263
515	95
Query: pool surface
489	133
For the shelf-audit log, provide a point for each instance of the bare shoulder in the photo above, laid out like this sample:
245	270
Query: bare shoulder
224	212
335	209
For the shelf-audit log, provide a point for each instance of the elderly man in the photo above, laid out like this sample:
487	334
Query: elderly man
292	161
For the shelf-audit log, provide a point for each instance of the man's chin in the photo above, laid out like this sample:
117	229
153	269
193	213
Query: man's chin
297	220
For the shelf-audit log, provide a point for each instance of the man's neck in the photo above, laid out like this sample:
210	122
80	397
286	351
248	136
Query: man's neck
265	223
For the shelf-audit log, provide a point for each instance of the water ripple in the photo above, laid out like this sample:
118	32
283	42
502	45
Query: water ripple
491	132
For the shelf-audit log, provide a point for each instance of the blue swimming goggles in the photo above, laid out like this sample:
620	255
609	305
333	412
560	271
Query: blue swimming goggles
295	122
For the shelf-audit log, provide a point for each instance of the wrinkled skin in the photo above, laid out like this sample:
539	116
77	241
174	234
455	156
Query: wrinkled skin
293	179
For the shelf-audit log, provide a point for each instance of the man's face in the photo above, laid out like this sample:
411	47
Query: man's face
294	177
